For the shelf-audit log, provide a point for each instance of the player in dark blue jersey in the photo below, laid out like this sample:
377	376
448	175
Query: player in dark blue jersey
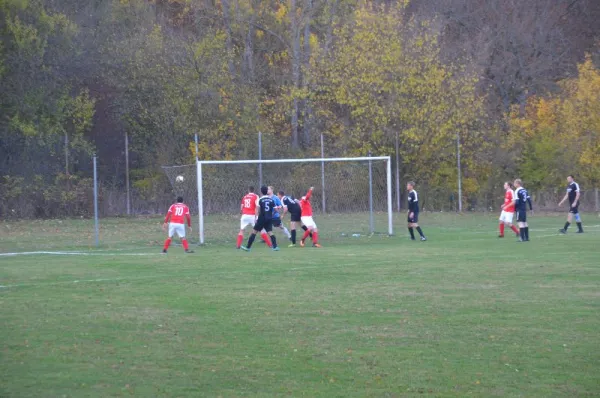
413	211
522	199
292	206
264	212
573	194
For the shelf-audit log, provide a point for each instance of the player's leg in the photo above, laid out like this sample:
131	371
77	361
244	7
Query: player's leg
169	238
501	224
305	228
250	240
508	219
568	223
575	212
265	237
309	223
272	238
240	239
315	236
526	231
180	230
411	227
293	232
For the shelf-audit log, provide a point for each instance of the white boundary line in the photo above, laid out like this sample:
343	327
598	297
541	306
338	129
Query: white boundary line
61	253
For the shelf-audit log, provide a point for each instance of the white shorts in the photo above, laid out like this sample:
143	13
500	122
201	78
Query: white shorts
506	216
178	229
308	222
246	220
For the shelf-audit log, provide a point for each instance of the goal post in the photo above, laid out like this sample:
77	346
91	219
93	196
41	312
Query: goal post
223	176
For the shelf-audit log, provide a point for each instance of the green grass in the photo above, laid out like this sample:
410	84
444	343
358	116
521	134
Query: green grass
464	314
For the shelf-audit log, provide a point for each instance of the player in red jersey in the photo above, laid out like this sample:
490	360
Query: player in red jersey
248	209
176	218
307	220
508	210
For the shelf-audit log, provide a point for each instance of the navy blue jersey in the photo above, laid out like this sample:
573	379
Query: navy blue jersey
413	201
292	205
266	205
522	198
572	190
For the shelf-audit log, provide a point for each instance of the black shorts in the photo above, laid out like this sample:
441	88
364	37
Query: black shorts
414	219
262	223
276	222
574	210
521	216
296	216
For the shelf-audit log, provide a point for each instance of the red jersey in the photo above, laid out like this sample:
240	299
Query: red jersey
306	206
178	213
509	205
249	204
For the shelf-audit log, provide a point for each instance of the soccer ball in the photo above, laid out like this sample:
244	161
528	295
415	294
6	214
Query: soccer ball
179	178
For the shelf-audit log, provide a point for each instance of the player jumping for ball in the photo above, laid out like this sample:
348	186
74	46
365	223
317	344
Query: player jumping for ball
508	211
264	220
307	219
248	209
176	217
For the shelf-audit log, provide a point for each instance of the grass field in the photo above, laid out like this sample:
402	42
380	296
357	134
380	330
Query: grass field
463	314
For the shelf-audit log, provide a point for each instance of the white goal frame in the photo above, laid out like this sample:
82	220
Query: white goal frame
200	163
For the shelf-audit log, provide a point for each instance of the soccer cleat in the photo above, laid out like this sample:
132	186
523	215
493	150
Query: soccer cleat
275	249
412	239
520	240
189	251
501	236
302	243
164	251
316	245
292	245
579	232
244	248
562	231
423	238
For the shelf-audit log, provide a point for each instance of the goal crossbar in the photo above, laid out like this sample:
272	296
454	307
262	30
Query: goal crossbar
200	163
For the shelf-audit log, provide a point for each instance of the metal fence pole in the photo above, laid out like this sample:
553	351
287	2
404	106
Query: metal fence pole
458	167
371	216
398	205
96	203
127	173
597	199
260	173
323	173
196	141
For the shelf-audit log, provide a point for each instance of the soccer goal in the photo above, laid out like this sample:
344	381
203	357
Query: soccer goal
358	189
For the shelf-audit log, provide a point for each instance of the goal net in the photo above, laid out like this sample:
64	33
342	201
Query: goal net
352	196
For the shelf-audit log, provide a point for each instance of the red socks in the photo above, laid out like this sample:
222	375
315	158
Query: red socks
502	229
515	230
185	244
315	237
306	234
167	243
240	239
267	239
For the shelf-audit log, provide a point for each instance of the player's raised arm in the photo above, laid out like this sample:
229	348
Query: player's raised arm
309	193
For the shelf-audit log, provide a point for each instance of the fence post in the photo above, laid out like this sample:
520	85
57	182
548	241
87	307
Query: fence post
323	173
260	173
96	203
127	173
597	199
458	167
398	205
371	219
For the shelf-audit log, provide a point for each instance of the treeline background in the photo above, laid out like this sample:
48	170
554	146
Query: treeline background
516	82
